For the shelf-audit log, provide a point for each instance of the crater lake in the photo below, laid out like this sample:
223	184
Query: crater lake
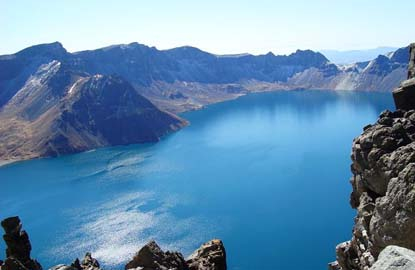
267	173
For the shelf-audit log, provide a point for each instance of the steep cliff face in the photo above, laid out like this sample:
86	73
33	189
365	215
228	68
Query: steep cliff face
383	167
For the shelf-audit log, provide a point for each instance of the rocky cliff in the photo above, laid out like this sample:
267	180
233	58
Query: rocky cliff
210	256
383	167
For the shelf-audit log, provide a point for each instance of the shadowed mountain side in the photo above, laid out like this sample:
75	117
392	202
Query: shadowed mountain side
82	113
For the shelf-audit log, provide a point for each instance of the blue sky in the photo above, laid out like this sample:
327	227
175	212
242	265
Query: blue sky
217	26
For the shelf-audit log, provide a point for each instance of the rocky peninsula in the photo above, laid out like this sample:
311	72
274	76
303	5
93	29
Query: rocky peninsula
210	256
383	181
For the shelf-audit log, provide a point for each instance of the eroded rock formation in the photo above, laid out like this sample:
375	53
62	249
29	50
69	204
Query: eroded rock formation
18	247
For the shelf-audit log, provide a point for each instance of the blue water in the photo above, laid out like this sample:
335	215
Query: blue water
267	173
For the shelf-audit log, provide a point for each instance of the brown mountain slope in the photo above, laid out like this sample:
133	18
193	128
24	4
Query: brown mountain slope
59	111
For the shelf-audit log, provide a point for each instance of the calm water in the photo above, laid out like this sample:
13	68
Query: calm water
267	173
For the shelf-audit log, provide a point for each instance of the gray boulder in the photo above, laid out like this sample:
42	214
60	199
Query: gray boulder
395	258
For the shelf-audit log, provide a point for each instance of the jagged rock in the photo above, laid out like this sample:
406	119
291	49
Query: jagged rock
210	256
18	246
395	258
151	257
383	190
88	263
76	264
383	181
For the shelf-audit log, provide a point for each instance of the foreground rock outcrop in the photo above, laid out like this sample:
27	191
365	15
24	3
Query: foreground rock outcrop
18	247
210	256
383	167
152	257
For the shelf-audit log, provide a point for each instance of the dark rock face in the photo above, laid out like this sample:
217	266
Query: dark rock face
18	247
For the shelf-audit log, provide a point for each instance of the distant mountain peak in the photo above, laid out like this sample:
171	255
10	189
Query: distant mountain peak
54	48
353	56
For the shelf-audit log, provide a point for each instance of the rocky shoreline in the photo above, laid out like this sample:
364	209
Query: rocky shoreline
210	256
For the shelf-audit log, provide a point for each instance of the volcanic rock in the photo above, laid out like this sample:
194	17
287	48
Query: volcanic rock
18	247
152	257
210	256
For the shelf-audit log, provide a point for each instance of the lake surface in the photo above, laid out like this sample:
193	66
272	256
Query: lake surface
267	173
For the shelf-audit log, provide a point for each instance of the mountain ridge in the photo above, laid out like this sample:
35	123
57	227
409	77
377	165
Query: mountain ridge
62	111
36	85
164	76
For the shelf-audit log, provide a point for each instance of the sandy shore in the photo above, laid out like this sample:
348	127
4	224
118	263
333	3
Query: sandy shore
5	162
